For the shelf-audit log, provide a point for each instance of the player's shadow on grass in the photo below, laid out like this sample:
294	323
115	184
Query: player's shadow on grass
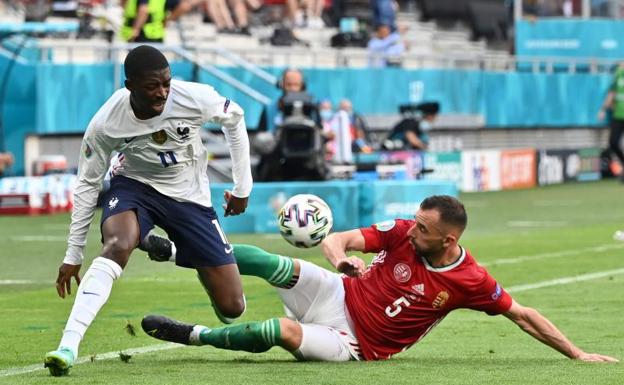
482	362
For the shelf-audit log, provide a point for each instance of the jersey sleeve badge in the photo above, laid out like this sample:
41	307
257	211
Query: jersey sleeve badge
87	150
497	292
385	225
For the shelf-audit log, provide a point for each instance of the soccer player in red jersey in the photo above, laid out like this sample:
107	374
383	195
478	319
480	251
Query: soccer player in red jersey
419	275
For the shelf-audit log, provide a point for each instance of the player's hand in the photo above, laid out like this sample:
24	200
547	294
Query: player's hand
234	205
595	357
63	281
601	115
351	266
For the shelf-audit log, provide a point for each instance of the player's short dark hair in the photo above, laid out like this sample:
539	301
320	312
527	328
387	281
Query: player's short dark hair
451	210
144	58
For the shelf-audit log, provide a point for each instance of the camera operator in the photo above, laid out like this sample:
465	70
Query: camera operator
299	153
290	81
411	133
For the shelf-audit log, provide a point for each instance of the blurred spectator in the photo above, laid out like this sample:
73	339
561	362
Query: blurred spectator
341	128
385	48
144	20
64	8
411	133
219	13
614	101
532	9
326	115
601	8
384	13
305	13
359	129
240	8
6	161
183	7
36	10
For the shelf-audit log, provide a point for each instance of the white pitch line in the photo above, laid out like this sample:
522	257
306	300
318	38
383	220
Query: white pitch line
557	254
38	238
98	357
57	226
271	236
564	280
561	203
536	223
155	348
15	282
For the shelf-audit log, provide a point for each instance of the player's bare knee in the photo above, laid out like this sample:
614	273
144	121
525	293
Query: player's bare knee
232	308
297	266
118	249
291	334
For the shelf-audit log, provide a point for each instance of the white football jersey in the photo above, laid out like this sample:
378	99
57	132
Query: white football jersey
164	152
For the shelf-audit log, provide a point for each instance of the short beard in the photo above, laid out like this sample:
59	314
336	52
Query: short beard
428	254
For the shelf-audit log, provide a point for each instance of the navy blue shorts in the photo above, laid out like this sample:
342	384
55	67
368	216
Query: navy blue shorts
193	228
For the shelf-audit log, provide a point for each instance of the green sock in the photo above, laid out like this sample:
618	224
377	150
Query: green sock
254	337
275	269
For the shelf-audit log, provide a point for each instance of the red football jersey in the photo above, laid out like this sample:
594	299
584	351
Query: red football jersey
400	297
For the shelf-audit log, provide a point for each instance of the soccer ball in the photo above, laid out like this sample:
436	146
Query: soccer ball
305	220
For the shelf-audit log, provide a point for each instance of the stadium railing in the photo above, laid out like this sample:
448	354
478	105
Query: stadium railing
250	59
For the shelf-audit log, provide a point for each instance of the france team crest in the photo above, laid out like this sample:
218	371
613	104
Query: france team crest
159	137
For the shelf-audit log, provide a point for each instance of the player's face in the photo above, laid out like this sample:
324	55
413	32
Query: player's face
149	93
426	235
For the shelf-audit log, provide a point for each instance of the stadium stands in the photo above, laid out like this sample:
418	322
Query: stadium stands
488	19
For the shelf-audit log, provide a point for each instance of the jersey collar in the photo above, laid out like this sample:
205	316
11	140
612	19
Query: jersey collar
447	267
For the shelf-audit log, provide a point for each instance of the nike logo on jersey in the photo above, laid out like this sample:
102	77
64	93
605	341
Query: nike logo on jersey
128	140
228	250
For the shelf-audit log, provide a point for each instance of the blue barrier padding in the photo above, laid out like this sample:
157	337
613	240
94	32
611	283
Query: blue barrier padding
384	200
504	99
267	198
37	27
46	98
354	204
19	111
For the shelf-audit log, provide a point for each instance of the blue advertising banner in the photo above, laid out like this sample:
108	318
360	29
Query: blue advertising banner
595	38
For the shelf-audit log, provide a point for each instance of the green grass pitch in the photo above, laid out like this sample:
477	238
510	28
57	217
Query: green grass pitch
524	237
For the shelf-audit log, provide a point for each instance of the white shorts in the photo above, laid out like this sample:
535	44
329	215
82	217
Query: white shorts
317	302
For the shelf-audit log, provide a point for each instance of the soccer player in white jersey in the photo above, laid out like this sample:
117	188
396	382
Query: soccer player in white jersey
155	122
419	275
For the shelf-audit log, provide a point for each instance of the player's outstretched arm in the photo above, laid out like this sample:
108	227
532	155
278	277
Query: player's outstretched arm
540	328
335	247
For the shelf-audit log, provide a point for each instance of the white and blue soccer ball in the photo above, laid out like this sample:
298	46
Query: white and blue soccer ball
305	220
